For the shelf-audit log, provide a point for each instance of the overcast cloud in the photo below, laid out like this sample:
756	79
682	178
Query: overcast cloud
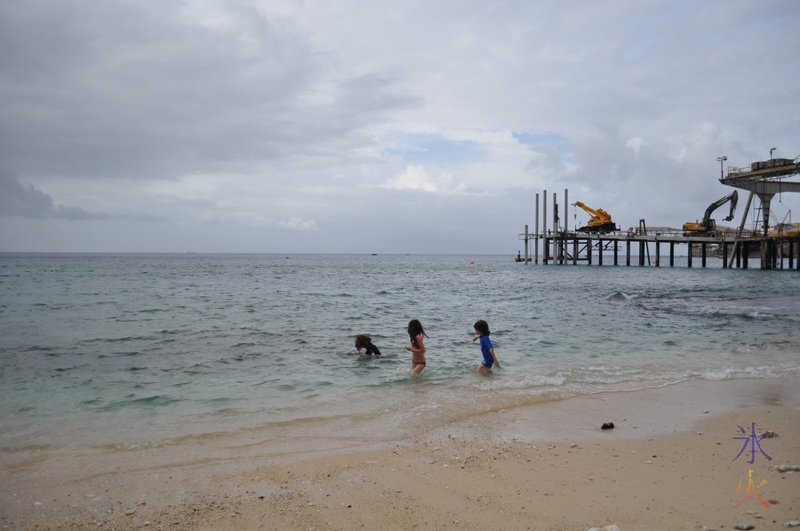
371	126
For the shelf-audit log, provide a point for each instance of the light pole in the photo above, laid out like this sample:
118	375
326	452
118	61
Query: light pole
721	160
770	152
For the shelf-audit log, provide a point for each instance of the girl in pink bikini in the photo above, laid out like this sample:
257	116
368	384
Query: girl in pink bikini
417	348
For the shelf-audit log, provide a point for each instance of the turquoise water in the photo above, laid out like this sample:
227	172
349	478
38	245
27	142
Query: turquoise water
116	349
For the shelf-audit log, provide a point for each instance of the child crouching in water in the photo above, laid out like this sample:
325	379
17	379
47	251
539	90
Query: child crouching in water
487	349
364	341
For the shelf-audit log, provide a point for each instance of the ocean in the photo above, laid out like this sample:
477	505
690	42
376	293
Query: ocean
140	349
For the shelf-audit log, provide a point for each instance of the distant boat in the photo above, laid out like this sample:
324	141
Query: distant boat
753	250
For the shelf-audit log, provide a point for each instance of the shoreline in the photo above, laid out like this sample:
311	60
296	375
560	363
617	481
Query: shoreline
668	461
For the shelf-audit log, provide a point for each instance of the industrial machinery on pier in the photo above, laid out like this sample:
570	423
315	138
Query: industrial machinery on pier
600	220
708	227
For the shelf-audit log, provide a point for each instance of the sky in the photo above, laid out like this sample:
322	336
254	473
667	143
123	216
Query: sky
414	126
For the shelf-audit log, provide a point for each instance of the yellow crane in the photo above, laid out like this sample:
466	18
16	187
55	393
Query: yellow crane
600	220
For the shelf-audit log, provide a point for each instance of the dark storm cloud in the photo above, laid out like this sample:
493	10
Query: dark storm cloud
25	201
17	199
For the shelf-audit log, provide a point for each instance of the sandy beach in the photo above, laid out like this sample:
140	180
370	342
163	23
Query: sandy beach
670	462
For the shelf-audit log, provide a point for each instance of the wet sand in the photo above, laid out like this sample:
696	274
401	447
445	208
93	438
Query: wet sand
669	463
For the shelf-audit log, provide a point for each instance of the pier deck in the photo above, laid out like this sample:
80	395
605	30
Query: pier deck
566	247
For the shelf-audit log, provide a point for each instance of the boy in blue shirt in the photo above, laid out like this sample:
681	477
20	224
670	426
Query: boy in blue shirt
487	349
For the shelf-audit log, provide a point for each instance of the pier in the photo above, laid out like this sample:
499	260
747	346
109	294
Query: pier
736	247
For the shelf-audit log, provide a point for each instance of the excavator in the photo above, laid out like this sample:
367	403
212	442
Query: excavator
600	220
708	227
